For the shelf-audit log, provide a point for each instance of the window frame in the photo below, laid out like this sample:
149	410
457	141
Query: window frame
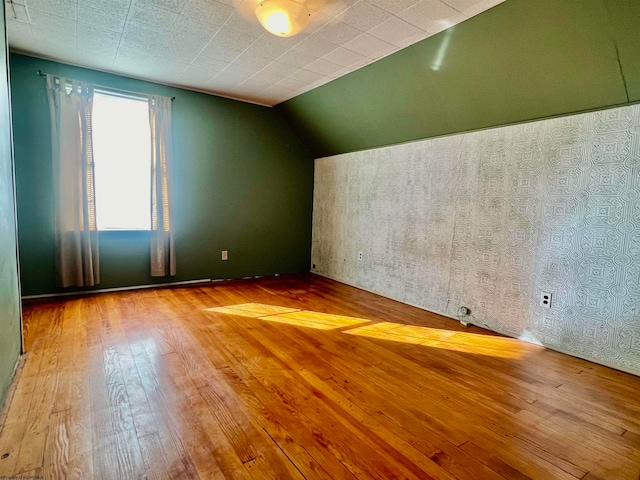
114	92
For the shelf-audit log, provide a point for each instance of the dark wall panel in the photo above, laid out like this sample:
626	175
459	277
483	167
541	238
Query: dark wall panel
243	183
521	60
624	21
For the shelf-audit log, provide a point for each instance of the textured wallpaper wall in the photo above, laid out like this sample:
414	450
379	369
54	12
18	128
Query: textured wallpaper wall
491	219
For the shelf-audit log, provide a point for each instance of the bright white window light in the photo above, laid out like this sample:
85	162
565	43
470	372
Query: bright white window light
122	156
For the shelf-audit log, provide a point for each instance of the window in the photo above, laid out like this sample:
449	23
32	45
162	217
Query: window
122	156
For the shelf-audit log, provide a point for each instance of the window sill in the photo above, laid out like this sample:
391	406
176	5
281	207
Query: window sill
124	230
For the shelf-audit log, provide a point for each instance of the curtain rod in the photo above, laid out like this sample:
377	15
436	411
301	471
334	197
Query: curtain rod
41	74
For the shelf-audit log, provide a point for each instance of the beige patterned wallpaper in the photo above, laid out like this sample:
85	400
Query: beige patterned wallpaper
490	220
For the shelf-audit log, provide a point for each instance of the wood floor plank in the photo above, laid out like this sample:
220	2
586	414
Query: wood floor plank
175	447
279	419
305	378
400	414
116	451
32	446
295	391
56	455
392	422
15	419
153	457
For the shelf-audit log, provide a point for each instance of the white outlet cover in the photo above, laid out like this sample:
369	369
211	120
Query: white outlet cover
545	299
225	255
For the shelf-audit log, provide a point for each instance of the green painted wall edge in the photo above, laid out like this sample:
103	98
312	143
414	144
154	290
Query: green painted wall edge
243	182
522	60
10	307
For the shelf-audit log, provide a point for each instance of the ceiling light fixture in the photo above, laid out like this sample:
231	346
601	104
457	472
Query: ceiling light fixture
284	18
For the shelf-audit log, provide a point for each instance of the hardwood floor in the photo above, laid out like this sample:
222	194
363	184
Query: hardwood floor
209	382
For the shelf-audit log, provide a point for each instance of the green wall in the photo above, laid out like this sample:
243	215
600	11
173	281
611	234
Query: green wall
243	182
521	60
9	286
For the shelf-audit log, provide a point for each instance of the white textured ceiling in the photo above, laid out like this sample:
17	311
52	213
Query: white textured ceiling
207	45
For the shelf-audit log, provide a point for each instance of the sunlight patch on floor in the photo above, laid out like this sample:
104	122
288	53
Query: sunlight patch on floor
445	339
320	321
456	341
290	316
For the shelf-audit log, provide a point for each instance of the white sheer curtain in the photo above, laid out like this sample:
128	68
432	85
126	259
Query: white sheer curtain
163	254
76	235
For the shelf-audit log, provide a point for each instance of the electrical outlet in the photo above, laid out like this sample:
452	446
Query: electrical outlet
545	299
225	255
360	256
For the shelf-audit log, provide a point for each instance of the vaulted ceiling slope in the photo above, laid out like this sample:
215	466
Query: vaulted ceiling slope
207	45
511	64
